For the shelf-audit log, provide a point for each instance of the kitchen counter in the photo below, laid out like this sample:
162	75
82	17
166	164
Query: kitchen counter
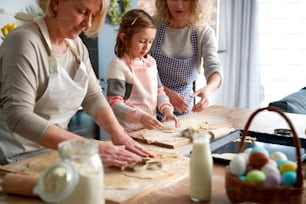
178	190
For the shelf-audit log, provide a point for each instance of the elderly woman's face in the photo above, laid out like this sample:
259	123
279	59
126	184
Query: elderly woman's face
75	16
179	9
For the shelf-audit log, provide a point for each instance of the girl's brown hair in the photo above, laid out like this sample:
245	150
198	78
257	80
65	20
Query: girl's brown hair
97	21
200	12
132	21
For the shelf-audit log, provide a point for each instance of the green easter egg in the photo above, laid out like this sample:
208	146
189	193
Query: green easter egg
255	176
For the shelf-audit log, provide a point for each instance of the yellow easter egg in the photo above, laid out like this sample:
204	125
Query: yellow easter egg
288	167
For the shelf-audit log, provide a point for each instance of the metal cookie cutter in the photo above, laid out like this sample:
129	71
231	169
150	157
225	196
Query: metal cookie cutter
283	131
145	164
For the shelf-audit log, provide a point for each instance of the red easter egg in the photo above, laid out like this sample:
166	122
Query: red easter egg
258	159
250	168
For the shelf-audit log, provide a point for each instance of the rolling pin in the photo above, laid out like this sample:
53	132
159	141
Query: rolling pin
19	184
220	132
214	134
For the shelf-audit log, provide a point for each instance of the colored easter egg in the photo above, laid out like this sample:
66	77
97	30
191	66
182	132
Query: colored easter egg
255	176
258	159
289	178
242	177
238	165
259	149
250	168
273	179
277	156
248	150
245	155
270	169
281	162
272	162
288	166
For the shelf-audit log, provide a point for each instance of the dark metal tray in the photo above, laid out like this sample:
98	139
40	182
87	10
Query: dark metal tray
271	142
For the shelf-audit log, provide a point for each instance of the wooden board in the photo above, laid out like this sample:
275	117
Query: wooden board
171	137
136	186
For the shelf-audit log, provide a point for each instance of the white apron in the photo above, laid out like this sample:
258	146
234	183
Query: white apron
60	101
144	92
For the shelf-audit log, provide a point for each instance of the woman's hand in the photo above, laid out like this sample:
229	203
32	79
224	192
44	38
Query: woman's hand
204	93
168	115
178	101
115	155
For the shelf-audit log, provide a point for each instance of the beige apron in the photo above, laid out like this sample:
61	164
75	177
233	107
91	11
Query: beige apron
144	92
60	101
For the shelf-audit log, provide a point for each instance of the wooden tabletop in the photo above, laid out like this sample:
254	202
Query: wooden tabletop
178	190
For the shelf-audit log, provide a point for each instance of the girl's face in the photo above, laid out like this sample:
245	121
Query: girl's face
179	9
74	16
141	43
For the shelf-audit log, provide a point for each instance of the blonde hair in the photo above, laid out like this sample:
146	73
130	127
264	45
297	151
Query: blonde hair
199	13
132	21
97	21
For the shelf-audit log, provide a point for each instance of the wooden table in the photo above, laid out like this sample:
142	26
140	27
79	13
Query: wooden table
178	191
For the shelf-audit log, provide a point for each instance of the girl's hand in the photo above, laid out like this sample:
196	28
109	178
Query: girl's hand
150	122
168	115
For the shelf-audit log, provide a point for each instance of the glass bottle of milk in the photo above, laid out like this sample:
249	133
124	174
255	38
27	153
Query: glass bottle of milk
201	165
77	177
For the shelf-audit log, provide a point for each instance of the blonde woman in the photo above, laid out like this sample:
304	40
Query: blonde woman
48	76
184	44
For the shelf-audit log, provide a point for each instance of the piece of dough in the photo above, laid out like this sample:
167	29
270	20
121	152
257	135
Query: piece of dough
118	181
37	166
146	174
169	163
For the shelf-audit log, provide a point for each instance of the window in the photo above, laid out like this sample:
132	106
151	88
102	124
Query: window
282	38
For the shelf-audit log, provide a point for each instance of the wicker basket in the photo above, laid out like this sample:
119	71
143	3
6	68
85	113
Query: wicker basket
241	191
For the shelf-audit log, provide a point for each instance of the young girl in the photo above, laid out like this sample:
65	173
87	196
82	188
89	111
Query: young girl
134	90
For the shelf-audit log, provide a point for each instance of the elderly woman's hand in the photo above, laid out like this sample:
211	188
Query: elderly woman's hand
116	155
131	145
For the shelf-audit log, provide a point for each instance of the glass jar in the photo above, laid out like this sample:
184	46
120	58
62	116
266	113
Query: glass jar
77	177
201	166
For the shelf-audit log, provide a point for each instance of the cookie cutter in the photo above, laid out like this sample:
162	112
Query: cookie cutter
145	164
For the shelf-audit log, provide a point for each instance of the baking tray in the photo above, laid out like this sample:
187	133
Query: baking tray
229	145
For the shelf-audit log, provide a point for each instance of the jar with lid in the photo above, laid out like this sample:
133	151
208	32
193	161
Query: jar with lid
77	177
201	166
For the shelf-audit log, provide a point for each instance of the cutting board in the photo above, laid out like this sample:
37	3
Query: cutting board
120	186
171	137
